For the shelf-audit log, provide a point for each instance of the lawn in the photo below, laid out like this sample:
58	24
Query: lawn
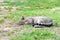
12	10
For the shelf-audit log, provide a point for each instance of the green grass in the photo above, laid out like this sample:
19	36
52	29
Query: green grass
54	15
1	20
37	8
35	34
34	3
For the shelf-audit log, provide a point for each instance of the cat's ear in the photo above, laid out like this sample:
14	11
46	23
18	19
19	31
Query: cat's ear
22	18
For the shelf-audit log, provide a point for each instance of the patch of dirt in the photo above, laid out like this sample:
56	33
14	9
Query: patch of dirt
4	38
55	8
1	0
3	11
57	30
6	23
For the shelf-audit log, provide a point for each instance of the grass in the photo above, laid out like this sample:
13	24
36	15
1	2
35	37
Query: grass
15	15
34	3
36	8
1	20
35	34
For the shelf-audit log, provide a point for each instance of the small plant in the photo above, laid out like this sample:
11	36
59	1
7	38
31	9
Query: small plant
1	20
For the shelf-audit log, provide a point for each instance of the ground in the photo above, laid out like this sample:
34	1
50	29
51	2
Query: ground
6	27
10	13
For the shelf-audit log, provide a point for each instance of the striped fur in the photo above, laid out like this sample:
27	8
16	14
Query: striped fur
38	20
